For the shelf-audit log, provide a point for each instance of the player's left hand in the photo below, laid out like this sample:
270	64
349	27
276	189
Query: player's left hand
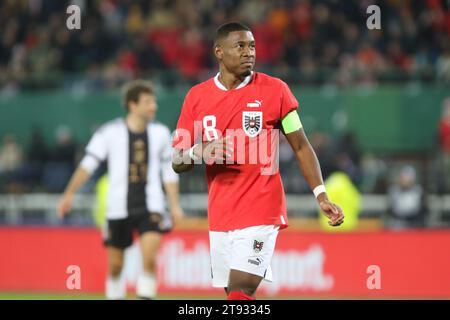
333	212
177	214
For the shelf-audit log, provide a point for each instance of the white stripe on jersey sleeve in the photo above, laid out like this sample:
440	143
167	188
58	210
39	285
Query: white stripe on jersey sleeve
96	151
89	163
98	145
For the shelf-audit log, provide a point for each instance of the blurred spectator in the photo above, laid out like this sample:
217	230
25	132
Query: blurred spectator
348	157
57	171
42	57
373	170
128	61
37	149
11	155
192	54
65	149
36	156
343	162
149	57
444	141
406	201
443	64
349	145
397	57
11	160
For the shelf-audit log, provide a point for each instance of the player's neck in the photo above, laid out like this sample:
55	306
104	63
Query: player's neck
135	124
229	80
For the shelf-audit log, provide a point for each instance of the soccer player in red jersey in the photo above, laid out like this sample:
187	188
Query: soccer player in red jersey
229	121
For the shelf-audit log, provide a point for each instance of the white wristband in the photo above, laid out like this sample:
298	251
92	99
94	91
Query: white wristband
318	190
191	153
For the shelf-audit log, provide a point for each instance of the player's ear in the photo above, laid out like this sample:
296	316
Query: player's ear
218	52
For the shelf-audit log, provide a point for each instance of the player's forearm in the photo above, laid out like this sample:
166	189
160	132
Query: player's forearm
307	160
173	194
79	178
310	167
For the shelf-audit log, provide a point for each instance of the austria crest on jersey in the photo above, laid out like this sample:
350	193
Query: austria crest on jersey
252	122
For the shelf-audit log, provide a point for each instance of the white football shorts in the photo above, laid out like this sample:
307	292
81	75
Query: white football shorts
249	250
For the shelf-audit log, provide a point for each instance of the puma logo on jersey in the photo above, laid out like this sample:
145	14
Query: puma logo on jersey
255	104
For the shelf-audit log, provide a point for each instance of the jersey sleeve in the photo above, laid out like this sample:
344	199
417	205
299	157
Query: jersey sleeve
288	100
187	130
96	151
167	173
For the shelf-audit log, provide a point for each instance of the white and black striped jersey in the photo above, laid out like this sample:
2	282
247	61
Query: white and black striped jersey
138	164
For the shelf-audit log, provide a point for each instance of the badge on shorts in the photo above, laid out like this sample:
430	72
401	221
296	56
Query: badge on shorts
252	122
257	246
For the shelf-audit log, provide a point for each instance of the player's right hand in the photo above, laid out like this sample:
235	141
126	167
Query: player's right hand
333	212
218	150
64	205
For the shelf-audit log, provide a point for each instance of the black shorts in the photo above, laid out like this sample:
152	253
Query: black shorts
119	233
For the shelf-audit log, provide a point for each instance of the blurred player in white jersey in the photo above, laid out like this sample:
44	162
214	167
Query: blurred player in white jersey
138	155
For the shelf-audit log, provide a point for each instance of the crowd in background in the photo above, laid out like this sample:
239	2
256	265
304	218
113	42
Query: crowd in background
313	42
37	167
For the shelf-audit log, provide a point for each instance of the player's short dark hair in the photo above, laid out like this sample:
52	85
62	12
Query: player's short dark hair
133	90
224	30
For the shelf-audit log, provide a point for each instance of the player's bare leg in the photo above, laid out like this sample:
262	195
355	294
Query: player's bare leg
146	285
114	288
242	285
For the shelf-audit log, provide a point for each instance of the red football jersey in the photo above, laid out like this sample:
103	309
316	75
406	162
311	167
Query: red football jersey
240	195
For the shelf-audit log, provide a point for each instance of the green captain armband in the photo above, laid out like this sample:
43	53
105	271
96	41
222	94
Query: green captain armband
291	122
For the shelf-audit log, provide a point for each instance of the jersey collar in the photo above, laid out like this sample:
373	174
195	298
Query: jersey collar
243	83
